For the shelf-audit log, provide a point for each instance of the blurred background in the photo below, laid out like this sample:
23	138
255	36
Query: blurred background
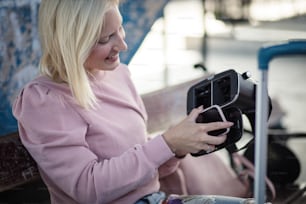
225	35
166	39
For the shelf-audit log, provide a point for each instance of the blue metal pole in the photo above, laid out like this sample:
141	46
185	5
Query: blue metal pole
265	55
261	140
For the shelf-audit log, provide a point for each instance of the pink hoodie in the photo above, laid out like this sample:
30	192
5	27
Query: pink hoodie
92	156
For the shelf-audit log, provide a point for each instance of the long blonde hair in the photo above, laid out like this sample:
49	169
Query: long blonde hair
68	30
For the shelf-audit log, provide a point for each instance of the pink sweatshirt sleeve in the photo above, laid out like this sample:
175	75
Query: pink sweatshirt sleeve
58	145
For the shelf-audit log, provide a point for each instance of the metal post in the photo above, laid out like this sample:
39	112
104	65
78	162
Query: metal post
261	140
265	55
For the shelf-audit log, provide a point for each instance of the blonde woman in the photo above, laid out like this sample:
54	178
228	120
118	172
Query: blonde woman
82	119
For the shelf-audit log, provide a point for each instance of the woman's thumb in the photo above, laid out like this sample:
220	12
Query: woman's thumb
194	113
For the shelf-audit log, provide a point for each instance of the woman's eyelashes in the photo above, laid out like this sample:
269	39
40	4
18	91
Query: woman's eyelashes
104	40
120	32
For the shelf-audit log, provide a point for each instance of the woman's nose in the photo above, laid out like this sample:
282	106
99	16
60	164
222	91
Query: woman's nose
121	44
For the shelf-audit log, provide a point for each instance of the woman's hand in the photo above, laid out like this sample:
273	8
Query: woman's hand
191	137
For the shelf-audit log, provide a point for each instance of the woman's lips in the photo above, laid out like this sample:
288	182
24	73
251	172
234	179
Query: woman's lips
113	58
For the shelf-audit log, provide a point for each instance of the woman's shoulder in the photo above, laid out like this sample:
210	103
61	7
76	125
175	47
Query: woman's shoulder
41	94
44	86
41	90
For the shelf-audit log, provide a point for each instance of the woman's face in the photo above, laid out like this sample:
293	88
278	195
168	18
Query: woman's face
105	54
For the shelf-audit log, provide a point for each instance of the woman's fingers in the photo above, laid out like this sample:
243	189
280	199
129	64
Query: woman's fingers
206	147
209	148
189	136
195	113
215	126
213	140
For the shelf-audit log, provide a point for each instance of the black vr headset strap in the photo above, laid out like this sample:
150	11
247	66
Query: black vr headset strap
233	147
251	116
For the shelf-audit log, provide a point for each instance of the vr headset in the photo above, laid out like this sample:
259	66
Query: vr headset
225	96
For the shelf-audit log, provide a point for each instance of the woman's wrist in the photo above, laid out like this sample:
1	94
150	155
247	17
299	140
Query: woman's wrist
173	149
180	156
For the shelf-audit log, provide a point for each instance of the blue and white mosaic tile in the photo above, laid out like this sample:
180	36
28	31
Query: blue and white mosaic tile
20	49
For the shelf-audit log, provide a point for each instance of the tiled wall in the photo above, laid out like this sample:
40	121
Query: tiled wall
20	49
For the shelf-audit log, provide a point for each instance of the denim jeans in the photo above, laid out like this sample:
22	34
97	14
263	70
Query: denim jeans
208	199
154	198
159	197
